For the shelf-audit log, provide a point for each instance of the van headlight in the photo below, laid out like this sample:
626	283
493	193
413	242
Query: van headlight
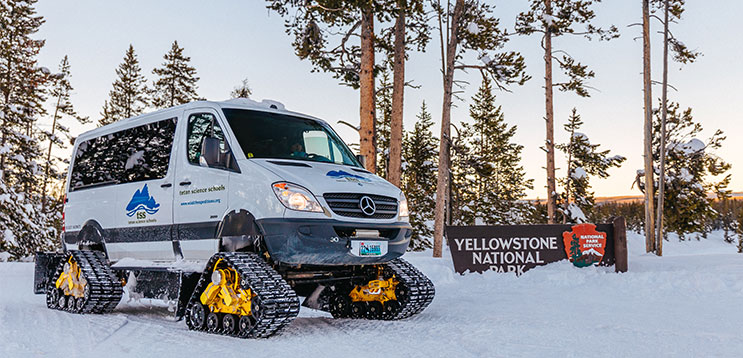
404	214
296	197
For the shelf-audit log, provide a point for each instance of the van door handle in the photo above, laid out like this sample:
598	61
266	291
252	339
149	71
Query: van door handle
184	183
166	185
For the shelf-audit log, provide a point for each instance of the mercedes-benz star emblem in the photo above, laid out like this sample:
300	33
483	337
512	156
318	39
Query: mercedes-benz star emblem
367	206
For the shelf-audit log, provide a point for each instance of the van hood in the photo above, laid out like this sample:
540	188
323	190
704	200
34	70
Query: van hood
321	178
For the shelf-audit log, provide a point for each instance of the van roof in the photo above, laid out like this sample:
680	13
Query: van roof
265	105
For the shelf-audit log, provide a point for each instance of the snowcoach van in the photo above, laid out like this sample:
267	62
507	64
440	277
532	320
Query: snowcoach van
231	210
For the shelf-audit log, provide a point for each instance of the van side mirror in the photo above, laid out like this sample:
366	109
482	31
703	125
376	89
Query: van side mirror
361	159
210	152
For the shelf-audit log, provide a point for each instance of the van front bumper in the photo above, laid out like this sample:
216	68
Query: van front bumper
328	242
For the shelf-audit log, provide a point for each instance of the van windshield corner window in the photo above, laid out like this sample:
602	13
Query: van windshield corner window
201	126
130	155
280	136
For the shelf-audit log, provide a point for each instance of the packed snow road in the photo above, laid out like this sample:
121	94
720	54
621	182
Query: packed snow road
688	303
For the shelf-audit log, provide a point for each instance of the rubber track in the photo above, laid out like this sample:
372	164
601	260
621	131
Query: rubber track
414	293
105	289
420	289
278	303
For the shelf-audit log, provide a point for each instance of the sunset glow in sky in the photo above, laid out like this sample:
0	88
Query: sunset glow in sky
231	40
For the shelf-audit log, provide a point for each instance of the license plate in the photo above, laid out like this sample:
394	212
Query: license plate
367	248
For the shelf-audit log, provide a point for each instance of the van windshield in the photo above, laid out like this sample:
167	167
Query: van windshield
280	136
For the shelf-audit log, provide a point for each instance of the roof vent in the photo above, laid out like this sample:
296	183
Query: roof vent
273	104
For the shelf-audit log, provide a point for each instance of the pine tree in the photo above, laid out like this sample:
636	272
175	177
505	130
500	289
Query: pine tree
550	20
61	89
128	97
691	171
499	179
384	112
584	160
24	228
242	91
176	83
419	178
462	191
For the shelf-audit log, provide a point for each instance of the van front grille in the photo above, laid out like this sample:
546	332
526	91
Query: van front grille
348	204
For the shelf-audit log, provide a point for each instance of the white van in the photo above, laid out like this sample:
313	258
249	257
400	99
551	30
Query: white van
230	190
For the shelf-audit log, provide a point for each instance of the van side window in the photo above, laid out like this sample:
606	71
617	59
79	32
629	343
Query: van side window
200	126
131	155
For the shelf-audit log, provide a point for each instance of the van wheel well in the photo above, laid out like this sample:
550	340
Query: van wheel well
239	232
91	238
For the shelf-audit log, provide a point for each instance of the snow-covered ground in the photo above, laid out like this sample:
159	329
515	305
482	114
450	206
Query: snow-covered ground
687	303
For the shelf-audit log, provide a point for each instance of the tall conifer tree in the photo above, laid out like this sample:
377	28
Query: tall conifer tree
500	181
551	19
176	83
384	120
60	93
419	178
584	160
128	97
24	228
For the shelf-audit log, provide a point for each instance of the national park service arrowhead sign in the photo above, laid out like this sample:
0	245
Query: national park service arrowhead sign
584	245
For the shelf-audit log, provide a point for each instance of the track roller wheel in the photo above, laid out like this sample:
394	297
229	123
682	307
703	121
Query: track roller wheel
390	308
245	325
52	297
228	323
358	309
62	302
197	315
374	310
79	303
71	303
212	322
340	306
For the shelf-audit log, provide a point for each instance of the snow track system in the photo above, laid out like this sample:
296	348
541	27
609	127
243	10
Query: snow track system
84	283
240	295
395	290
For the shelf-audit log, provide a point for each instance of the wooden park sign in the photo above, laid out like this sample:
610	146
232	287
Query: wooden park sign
518	248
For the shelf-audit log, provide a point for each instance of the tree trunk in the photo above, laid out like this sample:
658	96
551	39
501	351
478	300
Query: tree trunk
664	115
570	169
394	171
648	137
367	111
443	172
549	121
49	155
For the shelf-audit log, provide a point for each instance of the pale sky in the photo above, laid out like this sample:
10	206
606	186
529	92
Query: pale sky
230	40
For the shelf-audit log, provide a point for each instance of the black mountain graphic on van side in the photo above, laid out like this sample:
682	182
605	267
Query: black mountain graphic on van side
142	201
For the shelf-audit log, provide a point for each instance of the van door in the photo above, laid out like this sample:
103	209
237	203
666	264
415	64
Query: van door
144	193
201	189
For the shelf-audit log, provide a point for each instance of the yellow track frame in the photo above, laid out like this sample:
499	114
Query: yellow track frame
375	290
224	294
71	280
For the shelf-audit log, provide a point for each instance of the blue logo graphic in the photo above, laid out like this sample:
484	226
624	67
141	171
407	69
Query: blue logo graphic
339	174
142	201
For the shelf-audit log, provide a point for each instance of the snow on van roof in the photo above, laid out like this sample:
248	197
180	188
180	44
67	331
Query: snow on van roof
266	105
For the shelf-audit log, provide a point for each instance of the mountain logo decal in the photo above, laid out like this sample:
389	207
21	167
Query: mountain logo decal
341	175
584	245
142	201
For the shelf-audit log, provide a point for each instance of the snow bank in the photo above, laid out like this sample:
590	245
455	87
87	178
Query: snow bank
683	304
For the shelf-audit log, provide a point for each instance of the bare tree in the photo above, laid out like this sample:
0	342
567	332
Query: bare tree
648	130
469	26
